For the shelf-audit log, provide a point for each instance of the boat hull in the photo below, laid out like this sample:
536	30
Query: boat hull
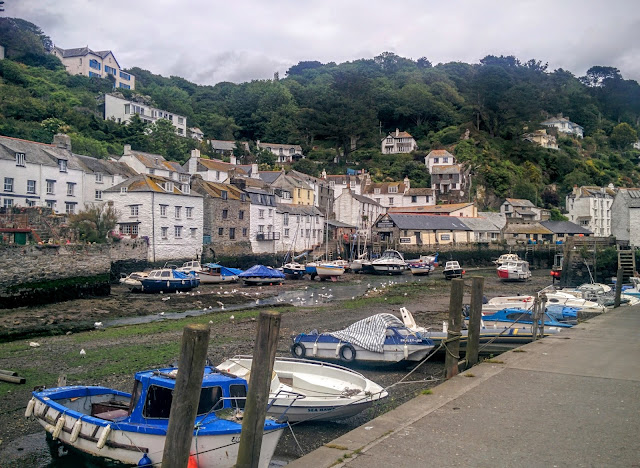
391	354
128	447
216	279
262	280
506	275
389	269
168	285
450	274
420	270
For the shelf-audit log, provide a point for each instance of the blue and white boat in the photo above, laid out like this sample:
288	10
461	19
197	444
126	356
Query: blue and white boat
131	428
563	313
169	280
519	317
260	274
212	273
324	270
294	270
381	338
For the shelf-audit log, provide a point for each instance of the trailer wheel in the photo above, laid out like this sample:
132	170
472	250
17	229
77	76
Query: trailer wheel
298	350
347	353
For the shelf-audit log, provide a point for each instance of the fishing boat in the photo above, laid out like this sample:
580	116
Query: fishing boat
169	280
294	270
134	280
504	258
492	339
514	270
304	390
452	270
390	263
119	427
260	274
324	270
381	338
212	273
423	265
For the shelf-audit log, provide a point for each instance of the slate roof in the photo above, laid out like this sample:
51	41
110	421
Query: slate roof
269	177
339	224
447	169
593	191
149	183
565	227
482	224
498	219
82	51
526	228
631	197
105	166
214	189
273	146
226	145
156	161
38	153
439	153
419	191
428	223
384	188
363	199
519	202
402	134
433	209
298	209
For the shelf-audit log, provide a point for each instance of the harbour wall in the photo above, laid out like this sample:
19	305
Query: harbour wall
41	274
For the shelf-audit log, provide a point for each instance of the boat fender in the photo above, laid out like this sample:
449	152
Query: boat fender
29	412
338	348
145	461
75	432
445	326
298	350
406	351
315	349
49	428
58	429
352	353
104	436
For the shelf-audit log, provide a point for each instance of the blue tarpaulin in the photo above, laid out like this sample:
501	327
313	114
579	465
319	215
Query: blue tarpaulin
261	271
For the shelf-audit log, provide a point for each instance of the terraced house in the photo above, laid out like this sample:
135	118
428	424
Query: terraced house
121	110
103	64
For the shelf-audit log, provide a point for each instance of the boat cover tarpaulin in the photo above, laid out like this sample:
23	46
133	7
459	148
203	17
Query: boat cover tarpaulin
261	271
369	333
224	271
181	275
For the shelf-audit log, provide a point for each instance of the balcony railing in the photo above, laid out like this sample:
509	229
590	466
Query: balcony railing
267	236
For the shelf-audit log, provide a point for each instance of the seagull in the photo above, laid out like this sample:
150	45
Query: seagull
83	353
220	303
161	314
34	344
98	324
232	318
353	297
210	322
257	301
166	298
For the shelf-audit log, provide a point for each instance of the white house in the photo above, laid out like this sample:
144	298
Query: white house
626	217
438	158
283	153
398	142
121	110
262	233
541	138
323	193
38	174
355	183
103	64
399	194
302	227
196	133
155	164
564	125
590	207
216	170
357	210
155	208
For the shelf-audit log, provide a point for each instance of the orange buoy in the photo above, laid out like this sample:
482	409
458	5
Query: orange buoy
193	462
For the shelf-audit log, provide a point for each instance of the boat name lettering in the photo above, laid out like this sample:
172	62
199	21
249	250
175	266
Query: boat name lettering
235	439
318	410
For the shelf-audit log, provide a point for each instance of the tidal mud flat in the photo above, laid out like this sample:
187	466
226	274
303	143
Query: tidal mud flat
114	354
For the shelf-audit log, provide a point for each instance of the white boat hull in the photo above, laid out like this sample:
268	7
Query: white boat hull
220	451
389	268
216	279
391	353
323	271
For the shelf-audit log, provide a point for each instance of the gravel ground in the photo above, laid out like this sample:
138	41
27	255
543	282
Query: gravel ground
429	306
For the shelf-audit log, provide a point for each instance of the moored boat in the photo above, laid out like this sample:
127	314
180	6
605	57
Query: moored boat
169	280
134	280
312	390
452	270
294	270
191	267
131	429
423	265
381	338
514	270
504	258
518	317
324	270
212	273
390	263
260	274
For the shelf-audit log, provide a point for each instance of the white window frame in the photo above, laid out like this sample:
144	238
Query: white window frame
21	160
8	184
31	190
177	231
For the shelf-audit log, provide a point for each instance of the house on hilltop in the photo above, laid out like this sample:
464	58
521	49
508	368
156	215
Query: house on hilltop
541	138
103	64
564	125
398	142
283	153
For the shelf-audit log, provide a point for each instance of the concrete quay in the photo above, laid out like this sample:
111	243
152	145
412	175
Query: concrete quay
571	400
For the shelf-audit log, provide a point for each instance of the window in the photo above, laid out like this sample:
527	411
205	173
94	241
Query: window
376	191
51	204
414	199
445	160
270	213
31	202
98	177
98	195
163	210
194	232
134	210
178	212
164	232
71	188
7	203
244	232
20	159
221	231
125	86
168	186
286	232
225	214
285	219
93	63
297	219
8	184
390	200
70	208
189	212
261	214
378	200
243	197
125	76
261	228
110	70
177	232
129	229
180	120
95	74
393	189
31	186
435	160
224	194
232	233
332	184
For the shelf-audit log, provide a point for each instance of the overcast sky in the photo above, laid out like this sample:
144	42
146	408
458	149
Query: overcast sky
208	41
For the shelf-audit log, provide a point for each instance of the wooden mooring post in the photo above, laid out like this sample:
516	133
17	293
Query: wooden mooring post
186	395
616	300
452	349
255	408
475	316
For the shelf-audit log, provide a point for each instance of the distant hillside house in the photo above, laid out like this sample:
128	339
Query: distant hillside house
590	207
103	64
450	182
284	153
398	142
121	110
523	209
226	147
541	138
439	158
196	133
564	125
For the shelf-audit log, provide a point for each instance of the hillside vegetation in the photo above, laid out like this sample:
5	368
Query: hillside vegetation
340	112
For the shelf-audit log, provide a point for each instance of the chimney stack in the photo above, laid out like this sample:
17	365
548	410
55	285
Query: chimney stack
397	132
62	141
233	160
192	167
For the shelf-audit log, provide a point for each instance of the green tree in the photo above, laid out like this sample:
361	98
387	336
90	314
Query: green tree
94	223
556	215
623	135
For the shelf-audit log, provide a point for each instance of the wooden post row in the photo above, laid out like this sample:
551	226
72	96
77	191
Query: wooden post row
453	333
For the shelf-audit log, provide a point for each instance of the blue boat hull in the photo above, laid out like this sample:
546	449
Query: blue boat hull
169	285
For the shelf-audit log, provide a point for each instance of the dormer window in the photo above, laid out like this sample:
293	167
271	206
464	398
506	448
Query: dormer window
224	194
168	186
62	164
376	191
185	188
332	184
393	189
20	159
123	189
170	175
